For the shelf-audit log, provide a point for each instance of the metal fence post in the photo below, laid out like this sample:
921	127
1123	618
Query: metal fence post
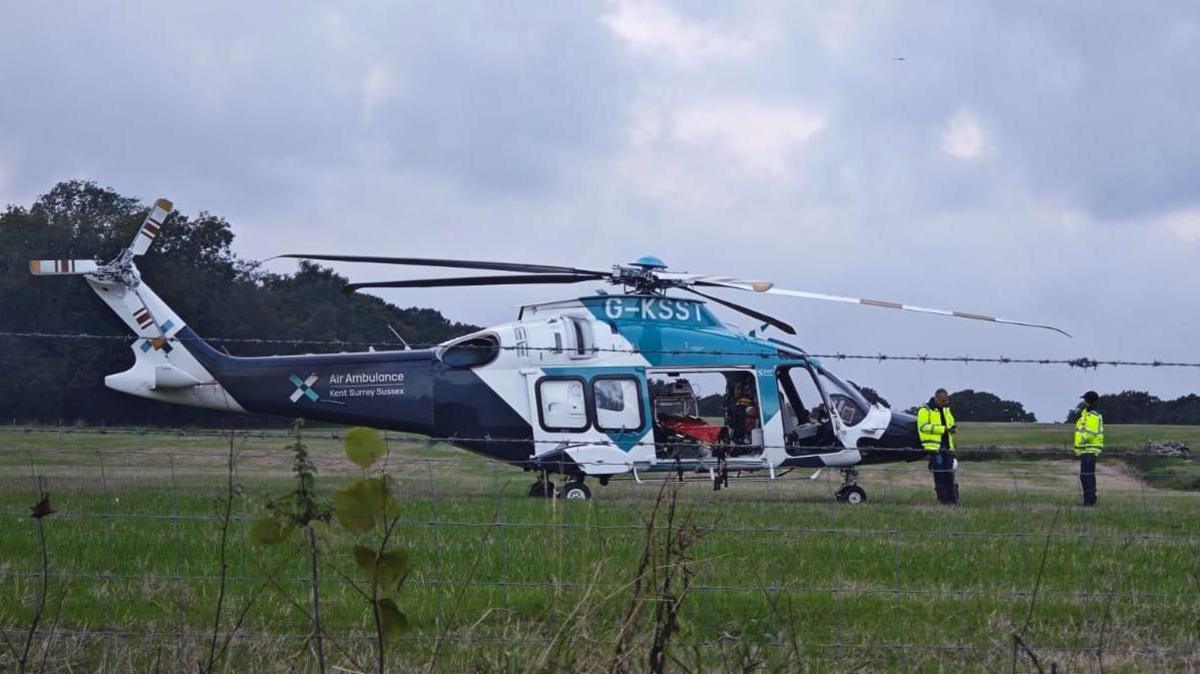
178	538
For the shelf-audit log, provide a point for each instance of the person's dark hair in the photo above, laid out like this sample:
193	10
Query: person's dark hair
941	390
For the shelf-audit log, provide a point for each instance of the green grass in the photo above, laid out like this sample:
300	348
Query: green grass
1168	473
985	441
1060	436
784	578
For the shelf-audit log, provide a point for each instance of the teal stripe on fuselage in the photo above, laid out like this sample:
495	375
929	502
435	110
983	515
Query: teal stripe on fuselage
671	332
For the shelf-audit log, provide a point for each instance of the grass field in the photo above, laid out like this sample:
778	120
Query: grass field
784	579
1059	436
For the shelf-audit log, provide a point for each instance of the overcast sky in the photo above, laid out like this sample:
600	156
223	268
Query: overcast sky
1033	160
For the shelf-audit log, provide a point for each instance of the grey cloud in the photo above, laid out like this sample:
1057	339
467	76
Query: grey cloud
495	100
1086	105
511	132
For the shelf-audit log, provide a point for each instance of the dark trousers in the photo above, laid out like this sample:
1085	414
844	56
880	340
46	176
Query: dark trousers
1087	478
941	464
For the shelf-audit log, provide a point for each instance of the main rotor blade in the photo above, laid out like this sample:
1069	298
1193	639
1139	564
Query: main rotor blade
472	281
710	280
454	264
884	304
758	315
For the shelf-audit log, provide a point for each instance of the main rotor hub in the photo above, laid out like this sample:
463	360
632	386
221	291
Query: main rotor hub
649	262
641	275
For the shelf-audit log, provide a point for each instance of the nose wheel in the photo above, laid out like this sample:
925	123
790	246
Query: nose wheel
576	491
850	492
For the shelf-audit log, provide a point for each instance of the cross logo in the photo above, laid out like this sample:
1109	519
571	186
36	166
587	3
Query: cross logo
303	388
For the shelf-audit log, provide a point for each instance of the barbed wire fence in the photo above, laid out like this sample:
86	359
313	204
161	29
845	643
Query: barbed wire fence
1085	362
1017	577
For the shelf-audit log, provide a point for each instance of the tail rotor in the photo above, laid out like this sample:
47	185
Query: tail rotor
142	240
149	230
121	274
62	267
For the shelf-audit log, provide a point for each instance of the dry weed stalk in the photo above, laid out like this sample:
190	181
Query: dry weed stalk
663	577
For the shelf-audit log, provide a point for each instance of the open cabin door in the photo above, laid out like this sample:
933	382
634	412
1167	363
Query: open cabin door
705	417
842	418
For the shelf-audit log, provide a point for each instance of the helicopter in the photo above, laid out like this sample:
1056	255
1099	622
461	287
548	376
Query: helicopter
637	381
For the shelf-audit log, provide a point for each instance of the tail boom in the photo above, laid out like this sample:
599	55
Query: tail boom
163	368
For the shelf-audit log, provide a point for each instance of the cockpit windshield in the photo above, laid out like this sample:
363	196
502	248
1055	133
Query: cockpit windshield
847	402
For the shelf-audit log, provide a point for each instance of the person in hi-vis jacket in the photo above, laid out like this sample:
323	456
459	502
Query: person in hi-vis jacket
935	425
1089	442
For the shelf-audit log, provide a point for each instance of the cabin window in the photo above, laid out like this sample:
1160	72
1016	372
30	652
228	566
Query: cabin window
618	403
562	404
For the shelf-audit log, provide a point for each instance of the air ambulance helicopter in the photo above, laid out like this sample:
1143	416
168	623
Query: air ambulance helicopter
639	380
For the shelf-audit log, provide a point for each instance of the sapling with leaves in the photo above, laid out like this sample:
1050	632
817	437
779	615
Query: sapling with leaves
299	509
369	511
368	508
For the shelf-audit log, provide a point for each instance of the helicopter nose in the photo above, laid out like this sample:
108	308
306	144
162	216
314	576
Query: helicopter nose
901	432
899	442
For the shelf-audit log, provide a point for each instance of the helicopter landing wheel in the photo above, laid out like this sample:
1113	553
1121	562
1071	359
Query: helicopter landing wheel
576	491
542	488
852	494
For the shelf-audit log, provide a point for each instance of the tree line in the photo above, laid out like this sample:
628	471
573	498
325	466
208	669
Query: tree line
192	266
971	405
1139	407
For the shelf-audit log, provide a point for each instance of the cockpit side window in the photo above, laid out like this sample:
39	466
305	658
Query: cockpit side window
847	402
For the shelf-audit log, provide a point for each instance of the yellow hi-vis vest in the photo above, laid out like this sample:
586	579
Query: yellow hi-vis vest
931	428
1089	433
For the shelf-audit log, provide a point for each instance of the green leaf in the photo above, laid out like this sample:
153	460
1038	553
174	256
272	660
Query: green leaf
364	557
364	446
393	567
394	622
359	504
387	569
268	530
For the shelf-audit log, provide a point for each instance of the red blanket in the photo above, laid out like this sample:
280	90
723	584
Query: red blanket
691	427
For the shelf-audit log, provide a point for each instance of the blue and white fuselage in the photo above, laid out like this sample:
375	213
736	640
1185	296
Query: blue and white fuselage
600	385
569	388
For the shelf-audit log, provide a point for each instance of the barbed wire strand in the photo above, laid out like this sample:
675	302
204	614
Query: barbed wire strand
256	635
1083	362
747	452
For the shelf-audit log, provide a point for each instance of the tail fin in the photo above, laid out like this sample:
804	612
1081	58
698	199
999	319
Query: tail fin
163	368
